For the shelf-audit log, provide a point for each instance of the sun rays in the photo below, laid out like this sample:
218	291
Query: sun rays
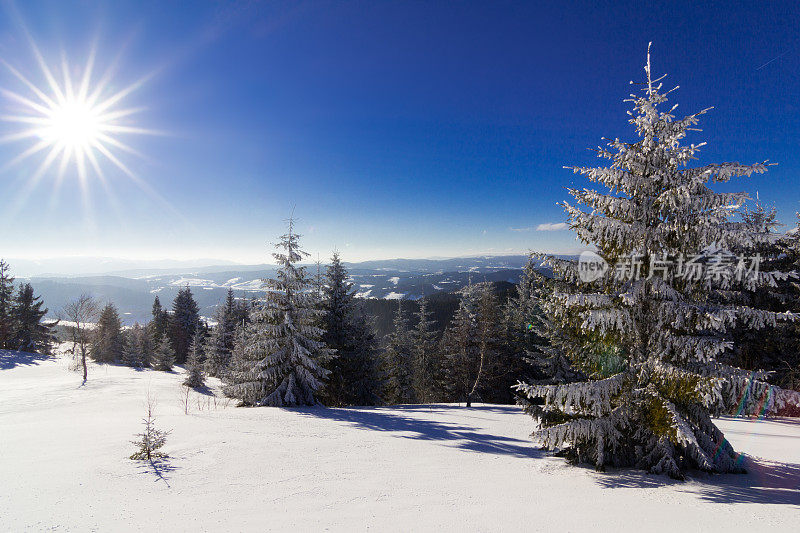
72	123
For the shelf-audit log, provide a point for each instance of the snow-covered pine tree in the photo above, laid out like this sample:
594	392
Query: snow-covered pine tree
460	348
519	318
498	370
521	310
30	334
132	353
6	305
281	360
318	281
472	358
397	361
159	325
107	343
354	375
774	348
163	356
194	363
425	361
146	345
183	323
654	412
223	336
545	345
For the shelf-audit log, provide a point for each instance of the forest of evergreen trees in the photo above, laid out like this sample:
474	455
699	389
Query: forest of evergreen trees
310	340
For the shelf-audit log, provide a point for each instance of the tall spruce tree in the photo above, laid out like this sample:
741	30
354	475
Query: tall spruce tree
460	347
183	323
425	357
774	348
163	356
107	343
665	327
195	377
354	373
29	333
281	360
472	360
6	305
223	336
520	316
521	311
496	372
398	362
547	347
138	347
159	324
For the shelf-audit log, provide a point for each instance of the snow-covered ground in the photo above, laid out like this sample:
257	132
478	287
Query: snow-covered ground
64	466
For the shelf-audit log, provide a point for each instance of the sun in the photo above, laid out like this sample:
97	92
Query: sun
74	125
75	122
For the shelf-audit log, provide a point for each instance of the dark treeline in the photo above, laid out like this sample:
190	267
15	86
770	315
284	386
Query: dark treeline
21	314
472	345
442	306
311	340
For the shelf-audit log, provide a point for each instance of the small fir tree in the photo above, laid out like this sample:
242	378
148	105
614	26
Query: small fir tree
151	439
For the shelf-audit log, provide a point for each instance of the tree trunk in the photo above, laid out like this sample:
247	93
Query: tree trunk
83	361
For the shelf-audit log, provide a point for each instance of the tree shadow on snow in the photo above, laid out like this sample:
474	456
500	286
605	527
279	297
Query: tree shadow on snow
205	390
9	359
160	468
464	437
424	407
765	482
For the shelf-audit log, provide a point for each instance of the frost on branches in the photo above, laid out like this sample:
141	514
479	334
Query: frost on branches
651	409
150	439
280	359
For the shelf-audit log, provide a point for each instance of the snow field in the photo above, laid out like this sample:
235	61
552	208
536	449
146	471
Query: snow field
446	468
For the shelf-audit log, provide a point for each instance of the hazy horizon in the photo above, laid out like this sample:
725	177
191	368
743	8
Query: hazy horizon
88	265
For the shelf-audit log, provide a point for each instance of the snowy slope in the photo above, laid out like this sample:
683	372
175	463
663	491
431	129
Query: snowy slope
64	466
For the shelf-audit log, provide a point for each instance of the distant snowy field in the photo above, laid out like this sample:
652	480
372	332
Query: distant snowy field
64	466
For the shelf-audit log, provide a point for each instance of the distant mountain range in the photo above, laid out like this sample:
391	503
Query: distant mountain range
133	290
92	266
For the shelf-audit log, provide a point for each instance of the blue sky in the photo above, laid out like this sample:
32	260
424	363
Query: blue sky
395	129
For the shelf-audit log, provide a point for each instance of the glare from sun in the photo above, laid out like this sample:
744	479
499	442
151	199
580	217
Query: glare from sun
73	124
74	121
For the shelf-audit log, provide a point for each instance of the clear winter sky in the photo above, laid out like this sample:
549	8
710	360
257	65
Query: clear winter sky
396	129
